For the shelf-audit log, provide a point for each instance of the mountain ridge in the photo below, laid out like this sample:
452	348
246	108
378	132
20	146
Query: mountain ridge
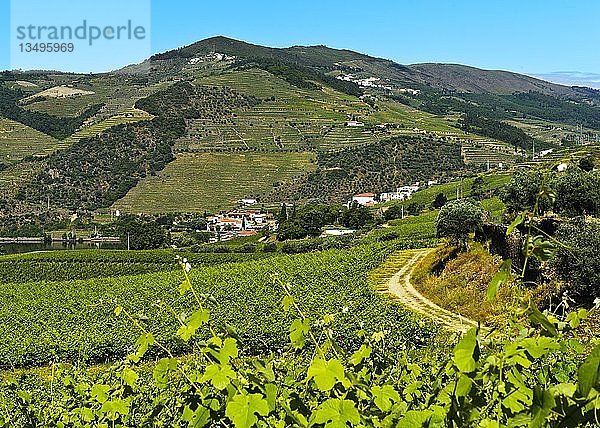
445	76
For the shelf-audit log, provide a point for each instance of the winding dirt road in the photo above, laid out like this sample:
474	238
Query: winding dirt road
400	287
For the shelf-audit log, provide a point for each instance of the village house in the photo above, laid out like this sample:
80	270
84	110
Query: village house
365	199
354	124
238	223
401	193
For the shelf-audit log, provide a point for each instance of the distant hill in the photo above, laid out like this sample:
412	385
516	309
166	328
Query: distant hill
197	128
441	76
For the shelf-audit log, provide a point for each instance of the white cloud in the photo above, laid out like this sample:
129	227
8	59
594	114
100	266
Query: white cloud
572	78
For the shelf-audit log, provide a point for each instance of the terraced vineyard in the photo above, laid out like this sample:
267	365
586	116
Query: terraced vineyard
13	177
18	141
131	115
256	82
482	152
202	182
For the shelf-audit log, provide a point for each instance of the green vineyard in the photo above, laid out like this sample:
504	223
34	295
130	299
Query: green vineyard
79	325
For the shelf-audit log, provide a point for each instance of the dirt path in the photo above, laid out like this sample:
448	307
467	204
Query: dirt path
401	289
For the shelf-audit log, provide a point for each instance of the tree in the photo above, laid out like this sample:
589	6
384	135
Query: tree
521	192
439	201
587	164
291	229
357	217
458	219
577	193
415	208
283	215
142	234
578	264
477	187
393	212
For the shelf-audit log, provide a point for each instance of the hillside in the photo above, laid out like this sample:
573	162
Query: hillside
302	113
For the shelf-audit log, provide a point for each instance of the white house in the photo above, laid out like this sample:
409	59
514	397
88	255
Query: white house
248	201
391	196
354	123
337	232
365	199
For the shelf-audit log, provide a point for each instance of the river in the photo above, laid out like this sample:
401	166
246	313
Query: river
17	248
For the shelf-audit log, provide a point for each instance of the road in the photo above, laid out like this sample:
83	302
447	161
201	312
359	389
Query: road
400	287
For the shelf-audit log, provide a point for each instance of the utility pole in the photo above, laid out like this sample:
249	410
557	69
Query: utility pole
48	202
127	241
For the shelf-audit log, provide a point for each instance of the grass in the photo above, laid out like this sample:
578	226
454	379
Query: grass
459	283
211	182
18	141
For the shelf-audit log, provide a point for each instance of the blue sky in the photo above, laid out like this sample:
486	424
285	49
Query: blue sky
527	36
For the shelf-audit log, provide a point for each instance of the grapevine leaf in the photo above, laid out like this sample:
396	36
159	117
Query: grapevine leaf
298	331
242	409
363	353
99	392
113	408
185	286
129	376
327	373
540	248
517	221
384	397
196	418
287	303
499	279
218	375
228	350
336	413
271	395
143	343
415	419
163	370
193	323
588	375
466	353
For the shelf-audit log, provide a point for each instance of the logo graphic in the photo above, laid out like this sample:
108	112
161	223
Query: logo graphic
79	36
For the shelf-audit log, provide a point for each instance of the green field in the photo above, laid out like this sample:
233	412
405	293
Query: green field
202	182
